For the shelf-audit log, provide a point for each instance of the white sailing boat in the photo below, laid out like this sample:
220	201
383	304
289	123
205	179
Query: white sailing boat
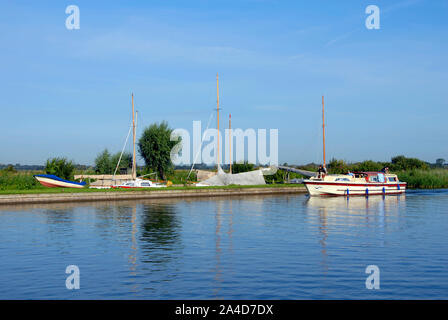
135	182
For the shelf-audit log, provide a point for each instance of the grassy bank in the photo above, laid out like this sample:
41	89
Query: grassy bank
425	179
87	190
18	181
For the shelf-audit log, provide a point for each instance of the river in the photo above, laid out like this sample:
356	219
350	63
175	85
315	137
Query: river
269	247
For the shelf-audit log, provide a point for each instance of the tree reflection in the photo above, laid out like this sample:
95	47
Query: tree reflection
160	232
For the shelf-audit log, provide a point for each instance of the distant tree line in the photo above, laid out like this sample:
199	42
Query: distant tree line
398	163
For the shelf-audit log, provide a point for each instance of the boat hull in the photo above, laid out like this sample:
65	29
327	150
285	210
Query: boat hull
56	182
330	188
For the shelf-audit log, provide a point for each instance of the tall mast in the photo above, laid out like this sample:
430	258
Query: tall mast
323	127
134	166
230	142
217	110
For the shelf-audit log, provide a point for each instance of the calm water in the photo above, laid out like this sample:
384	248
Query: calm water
270	247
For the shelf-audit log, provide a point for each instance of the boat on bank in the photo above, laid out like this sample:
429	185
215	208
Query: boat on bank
357	183
52	181
139	183
135	182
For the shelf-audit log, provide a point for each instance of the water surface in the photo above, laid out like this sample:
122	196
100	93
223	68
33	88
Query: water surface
269	247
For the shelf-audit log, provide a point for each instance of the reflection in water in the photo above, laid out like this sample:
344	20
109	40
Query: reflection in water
355	205
133	254
351	209
223	241
218	248
160	229
267	247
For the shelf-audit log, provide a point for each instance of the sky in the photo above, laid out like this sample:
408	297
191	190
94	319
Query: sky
67	92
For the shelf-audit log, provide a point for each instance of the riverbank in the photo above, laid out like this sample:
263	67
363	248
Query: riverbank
82	195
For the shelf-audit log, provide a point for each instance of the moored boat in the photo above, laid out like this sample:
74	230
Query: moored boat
138	183
357	183
52	181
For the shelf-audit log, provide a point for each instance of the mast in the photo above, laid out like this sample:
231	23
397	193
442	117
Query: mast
134	166
230	142
323	128
217	110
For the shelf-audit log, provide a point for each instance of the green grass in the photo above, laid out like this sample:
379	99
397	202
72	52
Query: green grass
18	181
425	179
87	190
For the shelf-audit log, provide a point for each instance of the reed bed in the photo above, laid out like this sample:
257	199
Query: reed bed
425	179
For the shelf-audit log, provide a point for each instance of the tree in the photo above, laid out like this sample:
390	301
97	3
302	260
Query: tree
103	163
155	147
10	169
369	165
60	167
440	162
125	162
337	166
400	163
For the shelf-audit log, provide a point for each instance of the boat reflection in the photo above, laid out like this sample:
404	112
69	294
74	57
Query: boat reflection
355	204
336	214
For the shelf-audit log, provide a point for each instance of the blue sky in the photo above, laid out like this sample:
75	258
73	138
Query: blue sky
67	92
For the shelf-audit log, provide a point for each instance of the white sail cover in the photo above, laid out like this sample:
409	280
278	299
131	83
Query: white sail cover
224	179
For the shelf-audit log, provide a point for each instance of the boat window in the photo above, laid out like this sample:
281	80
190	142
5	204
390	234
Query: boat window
342	179
145	184
392	179
373	178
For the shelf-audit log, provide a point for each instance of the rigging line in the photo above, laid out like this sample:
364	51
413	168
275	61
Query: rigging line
200	147
122	150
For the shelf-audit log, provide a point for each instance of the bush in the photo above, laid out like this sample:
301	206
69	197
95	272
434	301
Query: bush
242	167
337	166
60	167
368	165
180	176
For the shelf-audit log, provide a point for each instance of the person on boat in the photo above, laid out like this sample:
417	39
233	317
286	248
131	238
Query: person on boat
350	173
322	171
385	170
